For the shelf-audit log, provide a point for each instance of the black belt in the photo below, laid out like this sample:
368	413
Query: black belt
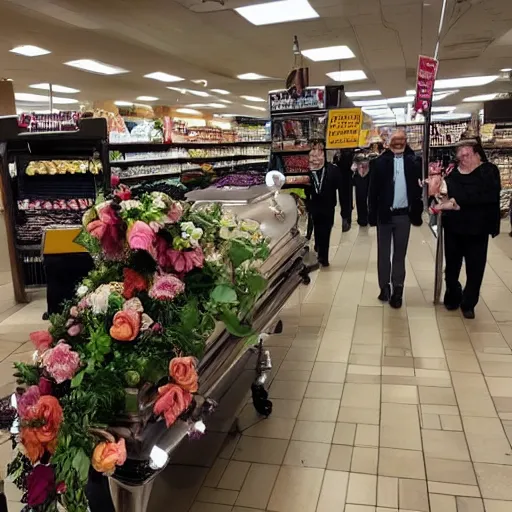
399	211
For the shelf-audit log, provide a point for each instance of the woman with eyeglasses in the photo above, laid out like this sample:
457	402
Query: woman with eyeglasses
471	214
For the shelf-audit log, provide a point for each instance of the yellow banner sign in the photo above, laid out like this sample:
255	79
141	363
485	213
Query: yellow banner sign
61	241
343	128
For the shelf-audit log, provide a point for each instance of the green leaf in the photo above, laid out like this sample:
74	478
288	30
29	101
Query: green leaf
256	283
88	242
234	326
224	294
81	464
239	252
77	379
190	315
26	374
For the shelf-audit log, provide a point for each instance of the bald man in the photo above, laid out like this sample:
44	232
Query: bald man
395	202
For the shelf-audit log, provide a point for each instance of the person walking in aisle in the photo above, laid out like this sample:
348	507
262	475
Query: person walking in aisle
471	213
395	202
343	160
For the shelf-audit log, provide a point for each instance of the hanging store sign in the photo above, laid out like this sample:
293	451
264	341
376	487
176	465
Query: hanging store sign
344	128
425	80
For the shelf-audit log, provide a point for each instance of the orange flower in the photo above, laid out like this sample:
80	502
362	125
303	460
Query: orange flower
33	447
173	401
183	372
107	456
125	326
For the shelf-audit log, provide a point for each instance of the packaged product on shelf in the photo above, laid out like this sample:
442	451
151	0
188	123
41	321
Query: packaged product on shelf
243	179
296	163
52	167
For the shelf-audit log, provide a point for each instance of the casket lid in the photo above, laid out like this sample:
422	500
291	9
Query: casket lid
231	195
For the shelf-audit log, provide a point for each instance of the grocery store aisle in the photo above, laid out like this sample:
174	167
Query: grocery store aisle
377	410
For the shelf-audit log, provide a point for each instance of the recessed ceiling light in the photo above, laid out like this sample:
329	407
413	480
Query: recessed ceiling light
226	101
252	76
255	108
468	81
30	51
37	98
329	53
189	111
347	76
362	94
253	98
55	88
443	109
163	77
123	103
277	12
481	97
220	91
94	66
506	70
203	94
147	98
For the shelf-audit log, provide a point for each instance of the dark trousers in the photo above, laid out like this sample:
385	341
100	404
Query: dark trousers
346	195
323	222
473	250
392	241
362	186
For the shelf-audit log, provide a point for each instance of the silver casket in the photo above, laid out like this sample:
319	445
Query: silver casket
230	368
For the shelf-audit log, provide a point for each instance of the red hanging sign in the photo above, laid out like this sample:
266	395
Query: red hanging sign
426	77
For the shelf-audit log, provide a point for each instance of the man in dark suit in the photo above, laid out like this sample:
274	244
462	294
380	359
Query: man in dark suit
395	202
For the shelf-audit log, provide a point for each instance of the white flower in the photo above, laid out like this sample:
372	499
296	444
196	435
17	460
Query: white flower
249	225
214	257
99	299
130	204
196	234
82	290
158	202
146	322
228	221
225	233
237	233
187	227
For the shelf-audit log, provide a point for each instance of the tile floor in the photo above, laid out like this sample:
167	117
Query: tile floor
375	410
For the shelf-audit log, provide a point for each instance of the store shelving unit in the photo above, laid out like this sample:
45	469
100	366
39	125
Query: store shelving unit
34	202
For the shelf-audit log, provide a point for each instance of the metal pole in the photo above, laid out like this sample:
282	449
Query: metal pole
50	89
426	155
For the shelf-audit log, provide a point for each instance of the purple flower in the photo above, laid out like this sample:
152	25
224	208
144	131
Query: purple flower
40	485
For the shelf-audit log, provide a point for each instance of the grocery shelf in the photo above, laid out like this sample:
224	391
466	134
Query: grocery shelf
145	147
184	160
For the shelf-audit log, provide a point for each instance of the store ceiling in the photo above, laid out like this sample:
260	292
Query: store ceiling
205	40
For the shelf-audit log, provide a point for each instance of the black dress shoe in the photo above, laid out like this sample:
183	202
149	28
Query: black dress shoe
453	298
345	226
323	262
385	294
469	313
397	297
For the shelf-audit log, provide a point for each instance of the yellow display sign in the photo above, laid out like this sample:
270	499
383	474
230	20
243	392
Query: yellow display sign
61	241
343	128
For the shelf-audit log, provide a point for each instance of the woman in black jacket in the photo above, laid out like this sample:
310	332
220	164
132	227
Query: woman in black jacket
473	191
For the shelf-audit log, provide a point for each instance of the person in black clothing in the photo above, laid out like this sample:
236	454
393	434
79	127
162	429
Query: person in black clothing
325	185
343	160
471	213
395	202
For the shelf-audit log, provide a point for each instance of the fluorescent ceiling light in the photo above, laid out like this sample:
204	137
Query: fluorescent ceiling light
226	101
163	77
39	98
252	76
443	109
203	94
453	115
147	98
438	96
370	103
206	105
506	70
481	97
123	103
468	81
399	100
329	53
190	111
362	94
94	66
347	76
253	98
277	12
55	88
216	105
220	91
255	108
411	92
30	51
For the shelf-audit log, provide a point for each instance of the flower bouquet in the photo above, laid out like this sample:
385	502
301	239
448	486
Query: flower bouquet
123	354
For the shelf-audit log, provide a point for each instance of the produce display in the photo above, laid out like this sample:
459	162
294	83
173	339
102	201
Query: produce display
245	179
52	167
296	163
127	345
56	204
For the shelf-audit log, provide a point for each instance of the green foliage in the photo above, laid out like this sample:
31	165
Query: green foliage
26	374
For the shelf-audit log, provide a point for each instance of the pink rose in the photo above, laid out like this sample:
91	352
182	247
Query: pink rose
97	229
175	212
185	261
61	362
41	339
172	402
75	330
124	193
107	214
27	400
73	312
156	226
166	287
115	180
141	236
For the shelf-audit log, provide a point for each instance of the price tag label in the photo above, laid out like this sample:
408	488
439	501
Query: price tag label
344	128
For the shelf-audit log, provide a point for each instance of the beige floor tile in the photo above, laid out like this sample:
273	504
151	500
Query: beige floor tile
400	427
361	395
496	368
497	506
462	362
307	454
364	460
318	409
296	489
262	450
364	360
234	475
340	457
329	372
367	435
445	445
327	390
442	503
287	390
436	396
469	504
359	508
210	507
272	427
453	489
387	492
244	509
257	486
472	395
494	481
300	354
344	433
430	363
314	431
399	394
500	386
430	421
283	408
359	415
413	495
219	496
293	375
334	492
451	423
401	463
215	474
358	369
446	410
362	489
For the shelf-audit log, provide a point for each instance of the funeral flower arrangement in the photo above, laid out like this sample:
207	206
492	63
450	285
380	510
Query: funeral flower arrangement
164	276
